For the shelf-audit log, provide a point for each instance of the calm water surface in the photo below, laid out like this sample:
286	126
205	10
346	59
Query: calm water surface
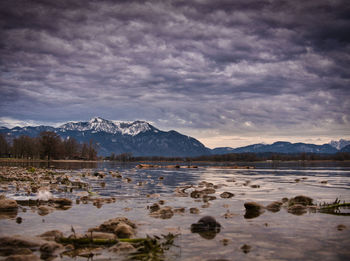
272	236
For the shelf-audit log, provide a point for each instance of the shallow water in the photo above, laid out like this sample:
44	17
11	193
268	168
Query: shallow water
271	236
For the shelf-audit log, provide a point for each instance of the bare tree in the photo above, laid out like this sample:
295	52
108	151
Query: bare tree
50	144
71	148
4	146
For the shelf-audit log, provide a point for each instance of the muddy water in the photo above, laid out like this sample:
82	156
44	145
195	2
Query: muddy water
270	236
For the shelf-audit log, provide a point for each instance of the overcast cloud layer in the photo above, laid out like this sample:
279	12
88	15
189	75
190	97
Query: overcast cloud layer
229	73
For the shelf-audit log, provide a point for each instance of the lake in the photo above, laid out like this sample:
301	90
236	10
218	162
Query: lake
269	235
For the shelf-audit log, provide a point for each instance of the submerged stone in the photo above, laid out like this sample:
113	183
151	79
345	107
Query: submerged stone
207	227
179	210
51	235
154	207
194	210
297	209
8	251
274	206
197	194
253	210
226	194
165	212
122	247
207	198
246	248
341	227
8	214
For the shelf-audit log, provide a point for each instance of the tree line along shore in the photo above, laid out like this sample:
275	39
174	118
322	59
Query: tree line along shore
49	146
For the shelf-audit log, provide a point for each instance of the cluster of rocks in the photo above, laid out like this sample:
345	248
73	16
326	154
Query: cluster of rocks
9	207
97	202
40	185
121	227
204	190
298	205
52	243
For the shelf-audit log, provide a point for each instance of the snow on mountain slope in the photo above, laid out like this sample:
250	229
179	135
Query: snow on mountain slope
98	124
339	144
132	128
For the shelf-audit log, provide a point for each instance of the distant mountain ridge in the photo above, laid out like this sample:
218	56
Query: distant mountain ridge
139	138
142	139
279	147
98	124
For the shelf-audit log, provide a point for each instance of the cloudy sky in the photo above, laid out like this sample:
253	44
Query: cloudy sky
228	73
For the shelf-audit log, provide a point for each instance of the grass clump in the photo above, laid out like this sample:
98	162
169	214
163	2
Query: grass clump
334	207
31	169
153	248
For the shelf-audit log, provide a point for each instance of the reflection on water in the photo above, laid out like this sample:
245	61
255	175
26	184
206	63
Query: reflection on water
277	165
269	235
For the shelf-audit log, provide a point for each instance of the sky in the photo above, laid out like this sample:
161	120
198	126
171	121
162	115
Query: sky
229	73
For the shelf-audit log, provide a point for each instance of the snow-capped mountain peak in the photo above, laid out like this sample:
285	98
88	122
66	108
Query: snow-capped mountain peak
96	120
98	124
339	144
133	128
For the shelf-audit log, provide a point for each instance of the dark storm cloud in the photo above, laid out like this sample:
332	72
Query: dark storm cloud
233	66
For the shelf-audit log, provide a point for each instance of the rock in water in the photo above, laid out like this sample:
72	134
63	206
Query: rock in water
194	210
226	194
51	235
122	247
121	227
8	205
297	209
301	200
61	201
21	241
153	208
101	235
207	227
253	210
165	212
124	231
49	248
274	206
246	248
30	257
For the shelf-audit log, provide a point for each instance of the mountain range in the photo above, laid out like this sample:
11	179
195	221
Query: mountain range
279	147
139	138
142	139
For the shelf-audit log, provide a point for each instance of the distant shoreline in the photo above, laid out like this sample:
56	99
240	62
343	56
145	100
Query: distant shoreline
39	160
165	161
